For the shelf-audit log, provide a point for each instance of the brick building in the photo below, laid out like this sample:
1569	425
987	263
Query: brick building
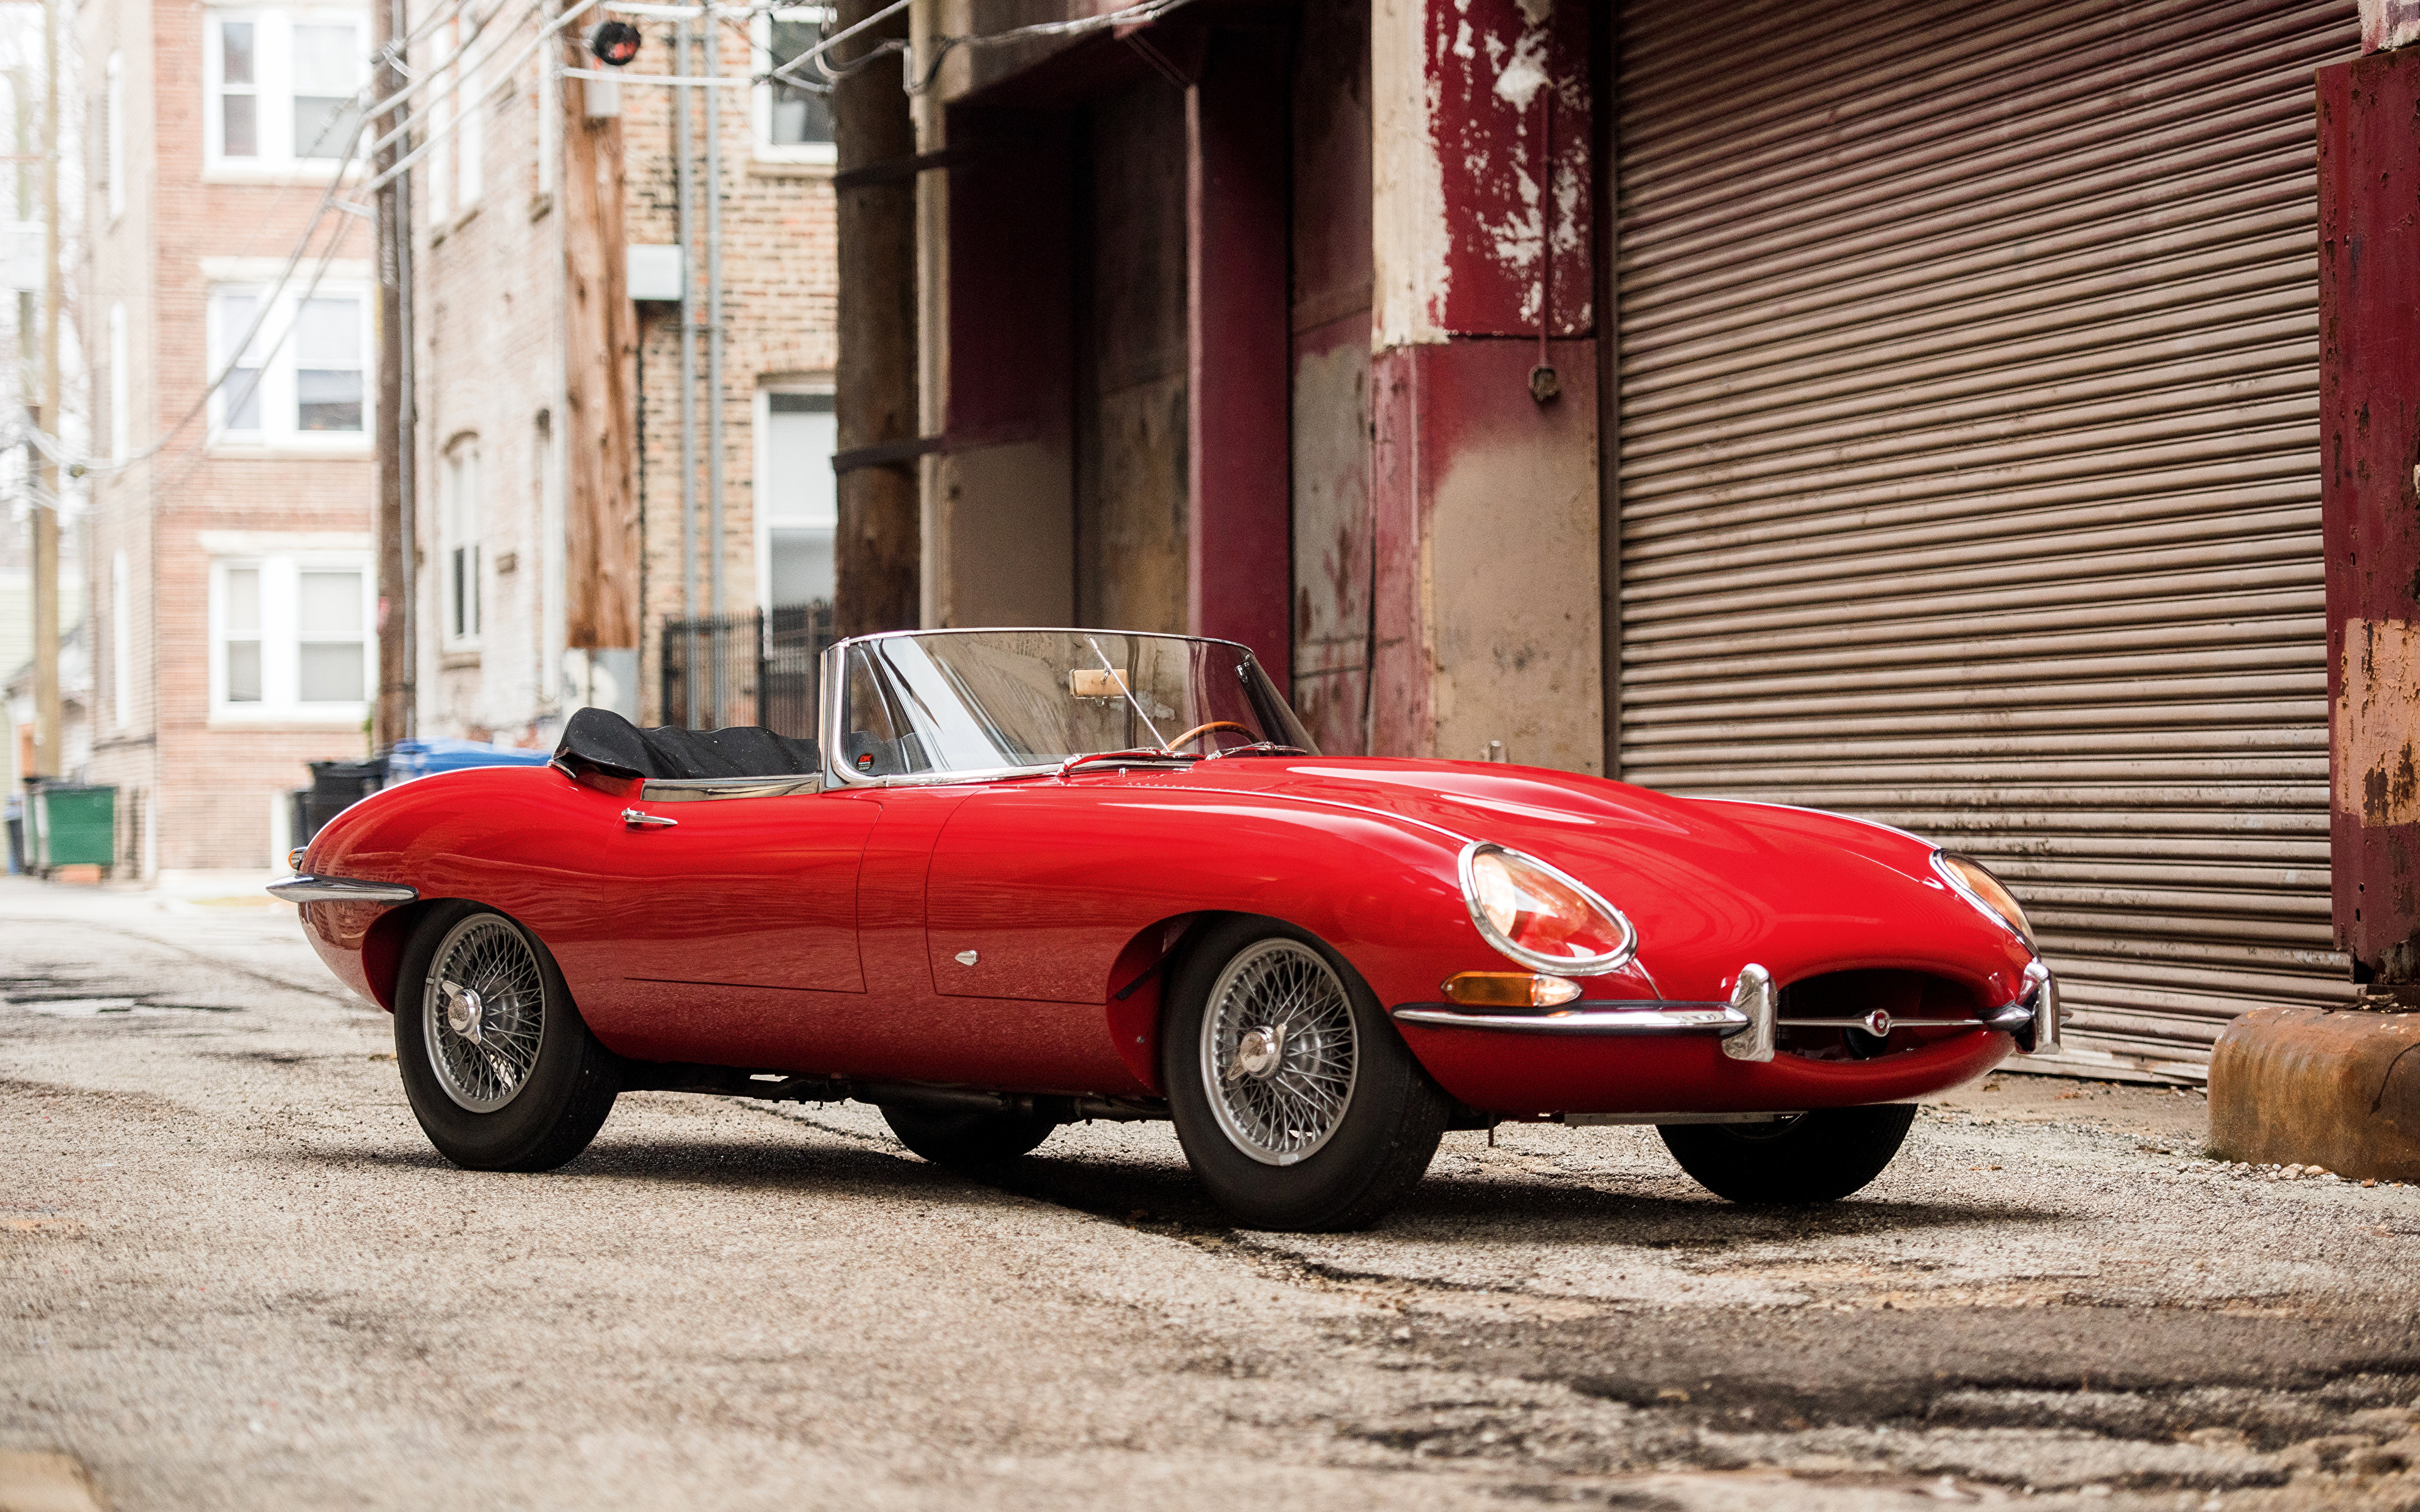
508	599
232	608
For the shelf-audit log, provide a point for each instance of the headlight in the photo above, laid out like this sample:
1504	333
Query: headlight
1966	876
1542	917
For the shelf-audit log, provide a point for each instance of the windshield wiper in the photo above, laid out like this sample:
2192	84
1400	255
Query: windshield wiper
1258	747
1139	754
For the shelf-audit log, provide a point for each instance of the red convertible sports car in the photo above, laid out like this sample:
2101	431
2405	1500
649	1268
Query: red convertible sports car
1027	877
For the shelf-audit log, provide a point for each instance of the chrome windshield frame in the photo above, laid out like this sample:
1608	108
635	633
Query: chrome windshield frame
831	691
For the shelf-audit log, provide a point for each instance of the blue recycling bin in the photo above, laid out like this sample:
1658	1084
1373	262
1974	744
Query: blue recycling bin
408	759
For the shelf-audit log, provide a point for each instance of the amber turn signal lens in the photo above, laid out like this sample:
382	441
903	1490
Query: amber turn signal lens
1508	989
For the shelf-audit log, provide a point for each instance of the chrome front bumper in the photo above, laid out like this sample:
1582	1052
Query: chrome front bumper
1750	1024
340	891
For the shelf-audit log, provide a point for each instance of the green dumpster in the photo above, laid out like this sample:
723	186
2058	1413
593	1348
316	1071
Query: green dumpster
74	824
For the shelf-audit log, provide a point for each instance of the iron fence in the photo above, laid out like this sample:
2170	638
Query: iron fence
757	668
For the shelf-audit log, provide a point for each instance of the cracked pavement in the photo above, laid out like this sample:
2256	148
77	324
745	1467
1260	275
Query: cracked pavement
233	1275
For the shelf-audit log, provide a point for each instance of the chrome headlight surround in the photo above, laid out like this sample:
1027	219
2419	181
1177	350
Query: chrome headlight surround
1614	960
1946	864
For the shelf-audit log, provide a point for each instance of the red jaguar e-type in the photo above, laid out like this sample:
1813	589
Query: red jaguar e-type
1027	877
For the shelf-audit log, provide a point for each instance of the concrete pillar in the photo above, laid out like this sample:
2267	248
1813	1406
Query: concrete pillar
2307	1085
1484	486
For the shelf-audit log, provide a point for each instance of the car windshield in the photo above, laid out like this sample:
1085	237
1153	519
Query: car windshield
983	701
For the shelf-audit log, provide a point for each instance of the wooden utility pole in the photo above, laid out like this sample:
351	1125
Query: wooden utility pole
395	619
49	723
879	548
600	521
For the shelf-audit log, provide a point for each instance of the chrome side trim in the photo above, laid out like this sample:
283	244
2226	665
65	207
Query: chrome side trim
1754	999
1620	1019
341	890
692	789
1582	1121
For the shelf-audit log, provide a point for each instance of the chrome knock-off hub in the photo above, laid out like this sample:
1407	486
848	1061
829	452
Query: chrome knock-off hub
1258	1053
464	1013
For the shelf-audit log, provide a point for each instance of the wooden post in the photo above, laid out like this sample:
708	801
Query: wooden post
50	730
600	521
878	555
395	617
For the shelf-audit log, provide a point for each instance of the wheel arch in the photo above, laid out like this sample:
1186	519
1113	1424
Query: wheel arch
1137	985
390	935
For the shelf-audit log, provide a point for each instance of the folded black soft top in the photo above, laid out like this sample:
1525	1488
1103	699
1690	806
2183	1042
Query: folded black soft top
601	738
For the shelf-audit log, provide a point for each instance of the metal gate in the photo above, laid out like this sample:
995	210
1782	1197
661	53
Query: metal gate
755	668
1968	464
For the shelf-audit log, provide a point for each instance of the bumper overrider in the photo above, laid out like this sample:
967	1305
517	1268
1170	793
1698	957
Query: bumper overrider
1750	1023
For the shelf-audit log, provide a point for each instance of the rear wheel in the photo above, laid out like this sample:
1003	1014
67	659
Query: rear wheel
966	1141
500	1072
1298	1106
1820	1156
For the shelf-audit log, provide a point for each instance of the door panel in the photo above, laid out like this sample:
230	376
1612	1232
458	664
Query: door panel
738	907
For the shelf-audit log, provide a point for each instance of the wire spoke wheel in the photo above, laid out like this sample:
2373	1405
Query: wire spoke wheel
483	1012
1279	1053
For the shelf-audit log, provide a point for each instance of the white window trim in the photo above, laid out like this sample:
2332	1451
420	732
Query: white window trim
281	642
761	427
760	112
121	648
273	89
277	382
121	399
456	171
449	536
114	123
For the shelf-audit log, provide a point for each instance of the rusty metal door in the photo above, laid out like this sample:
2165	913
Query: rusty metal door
1968	465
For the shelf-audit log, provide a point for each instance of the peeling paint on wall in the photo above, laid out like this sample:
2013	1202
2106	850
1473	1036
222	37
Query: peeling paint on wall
1408	239
1333	566
2389	24
2378	723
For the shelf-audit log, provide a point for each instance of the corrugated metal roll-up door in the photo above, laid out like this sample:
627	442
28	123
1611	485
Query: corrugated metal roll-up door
1968	464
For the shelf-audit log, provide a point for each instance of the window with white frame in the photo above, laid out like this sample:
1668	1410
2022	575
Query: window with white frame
798	499
121	642
113	135
454	126
793	122
281	85
300	379
121	401
461	519
290	637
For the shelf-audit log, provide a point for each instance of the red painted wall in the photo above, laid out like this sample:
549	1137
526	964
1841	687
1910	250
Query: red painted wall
1491	148
2369	499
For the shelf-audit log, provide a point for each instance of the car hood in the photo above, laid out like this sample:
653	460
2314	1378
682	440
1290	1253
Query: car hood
1710	884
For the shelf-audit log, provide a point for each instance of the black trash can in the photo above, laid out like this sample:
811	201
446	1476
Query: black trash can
336	786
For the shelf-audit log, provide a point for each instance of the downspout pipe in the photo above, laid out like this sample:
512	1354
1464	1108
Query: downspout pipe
684	171
714	460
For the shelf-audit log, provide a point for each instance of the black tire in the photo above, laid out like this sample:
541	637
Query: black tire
1820	1156
966	1139
552	1108
1351	1165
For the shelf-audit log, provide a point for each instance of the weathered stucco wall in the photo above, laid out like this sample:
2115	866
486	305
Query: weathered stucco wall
1487	600
1131	394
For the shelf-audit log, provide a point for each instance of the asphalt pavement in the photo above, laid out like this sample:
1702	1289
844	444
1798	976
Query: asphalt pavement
233	1275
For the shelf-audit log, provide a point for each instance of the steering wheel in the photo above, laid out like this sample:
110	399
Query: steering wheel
1204	729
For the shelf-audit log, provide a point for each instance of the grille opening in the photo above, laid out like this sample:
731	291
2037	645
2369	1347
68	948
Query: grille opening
1910	998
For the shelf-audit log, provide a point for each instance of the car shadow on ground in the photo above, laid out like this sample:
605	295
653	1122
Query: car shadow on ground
1159	1192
